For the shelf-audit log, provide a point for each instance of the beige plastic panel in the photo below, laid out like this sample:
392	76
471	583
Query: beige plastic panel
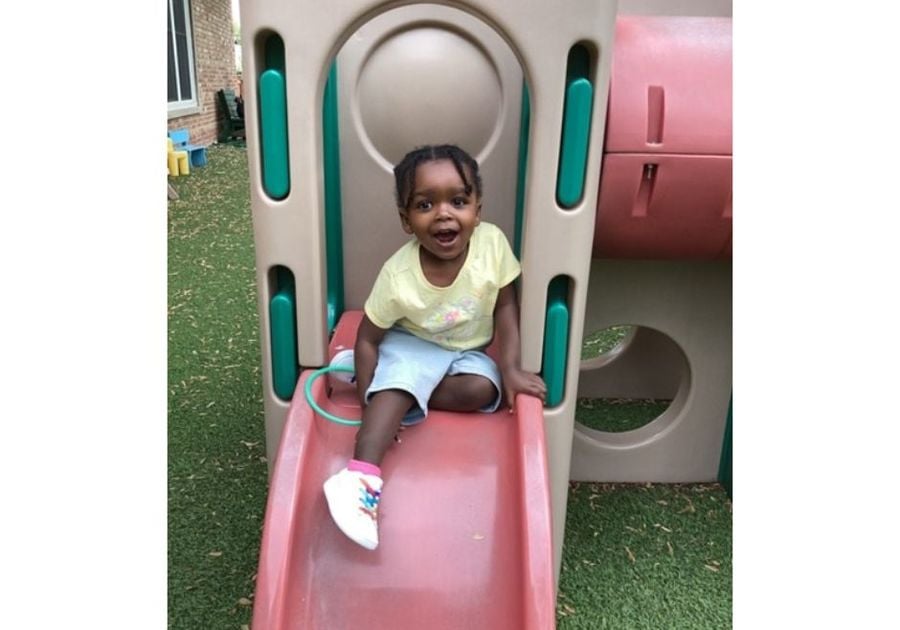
684	309
706	8
555	241
412	76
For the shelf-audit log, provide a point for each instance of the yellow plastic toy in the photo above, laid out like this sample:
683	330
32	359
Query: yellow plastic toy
177	160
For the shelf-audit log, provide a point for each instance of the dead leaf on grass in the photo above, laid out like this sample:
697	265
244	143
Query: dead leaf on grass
630	555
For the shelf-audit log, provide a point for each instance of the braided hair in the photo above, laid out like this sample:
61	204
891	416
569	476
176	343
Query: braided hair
405	171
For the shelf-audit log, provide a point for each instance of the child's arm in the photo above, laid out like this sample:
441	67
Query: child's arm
365	355
506	324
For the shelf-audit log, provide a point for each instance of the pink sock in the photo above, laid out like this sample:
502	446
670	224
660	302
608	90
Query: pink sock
365	468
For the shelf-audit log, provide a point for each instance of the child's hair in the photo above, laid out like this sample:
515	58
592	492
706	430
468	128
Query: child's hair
405	171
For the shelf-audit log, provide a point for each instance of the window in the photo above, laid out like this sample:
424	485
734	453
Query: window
182	80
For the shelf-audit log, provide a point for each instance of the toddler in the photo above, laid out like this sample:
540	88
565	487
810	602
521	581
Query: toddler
434	308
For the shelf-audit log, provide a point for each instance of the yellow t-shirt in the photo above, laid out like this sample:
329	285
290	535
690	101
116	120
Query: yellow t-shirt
457	317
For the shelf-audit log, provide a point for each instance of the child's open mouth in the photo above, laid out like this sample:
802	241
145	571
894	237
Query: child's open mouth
445	237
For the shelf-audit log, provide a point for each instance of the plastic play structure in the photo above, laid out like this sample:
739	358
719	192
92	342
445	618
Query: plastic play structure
605	144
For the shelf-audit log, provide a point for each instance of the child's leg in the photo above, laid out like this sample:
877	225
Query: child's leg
407	372
472	383
463	392
380	422
353	494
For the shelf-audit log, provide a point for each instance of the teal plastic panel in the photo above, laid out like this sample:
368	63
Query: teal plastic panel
273	134
334	249
283	327
574	147
556	340
524	126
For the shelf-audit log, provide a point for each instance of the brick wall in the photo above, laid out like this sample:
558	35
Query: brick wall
214	58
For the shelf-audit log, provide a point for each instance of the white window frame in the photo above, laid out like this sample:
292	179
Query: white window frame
192	105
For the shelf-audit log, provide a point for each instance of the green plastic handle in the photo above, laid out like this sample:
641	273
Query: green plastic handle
575	137
283	337
273	134
556	342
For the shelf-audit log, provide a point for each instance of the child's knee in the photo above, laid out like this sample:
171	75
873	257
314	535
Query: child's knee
384	411
465	392
484	391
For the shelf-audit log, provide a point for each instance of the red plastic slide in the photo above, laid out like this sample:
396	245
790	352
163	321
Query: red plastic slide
464	523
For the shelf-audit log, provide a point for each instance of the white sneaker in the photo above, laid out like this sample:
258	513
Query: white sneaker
353	502
343	358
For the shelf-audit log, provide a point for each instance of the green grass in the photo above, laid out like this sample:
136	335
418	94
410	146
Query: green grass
646	556
216	464
616	415
602	341
217	469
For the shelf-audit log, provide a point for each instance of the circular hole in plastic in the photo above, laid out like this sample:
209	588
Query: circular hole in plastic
630	375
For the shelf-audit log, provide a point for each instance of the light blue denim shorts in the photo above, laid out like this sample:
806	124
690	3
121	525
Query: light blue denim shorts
417	366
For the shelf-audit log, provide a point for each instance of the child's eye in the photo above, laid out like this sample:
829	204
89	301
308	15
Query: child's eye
459	202
423	204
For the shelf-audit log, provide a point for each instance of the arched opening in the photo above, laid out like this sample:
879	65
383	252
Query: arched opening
415	75
630	376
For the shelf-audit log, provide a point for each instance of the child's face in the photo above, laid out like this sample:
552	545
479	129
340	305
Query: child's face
441	215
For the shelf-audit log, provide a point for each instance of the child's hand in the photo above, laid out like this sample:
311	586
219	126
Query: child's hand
517	381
